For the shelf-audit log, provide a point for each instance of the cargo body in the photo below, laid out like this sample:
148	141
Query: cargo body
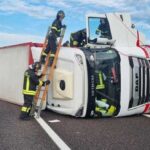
14	60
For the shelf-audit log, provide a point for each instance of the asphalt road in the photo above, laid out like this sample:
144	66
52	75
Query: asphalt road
128	133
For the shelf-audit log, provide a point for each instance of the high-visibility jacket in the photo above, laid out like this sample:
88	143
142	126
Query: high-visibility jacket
99	81
31	80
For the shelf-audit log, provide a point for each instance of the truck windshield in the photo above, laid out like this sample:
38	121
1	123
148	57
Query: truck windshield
107	77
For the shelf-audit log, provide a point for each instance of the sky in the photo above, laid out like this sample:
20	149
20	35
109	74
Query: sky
27	20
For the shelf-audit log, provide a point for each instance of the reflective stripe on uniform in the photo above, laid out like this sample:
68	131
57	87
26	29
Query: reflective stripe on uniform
27	84
52	55
111	110
75	43
44	54
54	28
27	91
101	85
104	112
98	109
24	109
40	83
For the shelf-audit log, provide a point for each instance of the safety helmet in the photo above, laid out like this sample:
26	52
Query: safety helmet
61	14
36	66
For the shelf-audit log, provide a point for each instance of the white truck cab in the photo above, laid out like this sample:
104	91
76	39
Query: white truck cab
117	53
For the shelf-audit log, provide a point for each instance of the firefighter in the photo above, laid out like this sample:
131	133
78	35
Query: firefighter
78	39
31	81
103	29
104	107
52	37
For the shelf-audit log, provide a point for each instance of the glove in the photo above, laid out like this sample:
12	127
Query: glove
47	82
64	26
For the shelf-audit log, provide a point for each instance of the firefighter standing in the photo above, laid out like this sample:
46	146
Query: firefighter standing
31	80
78	39
103	29
52	38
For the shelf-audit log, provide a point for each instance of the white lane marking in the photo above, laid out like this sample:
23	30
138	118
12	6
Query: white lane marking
54	121
147	115
58	141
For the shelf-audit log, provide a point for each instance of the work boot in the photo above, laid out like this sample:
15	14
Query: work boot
24	116
43	57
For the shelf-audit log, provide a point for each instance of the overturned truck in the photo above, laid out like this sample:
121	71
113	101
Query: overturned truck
109	76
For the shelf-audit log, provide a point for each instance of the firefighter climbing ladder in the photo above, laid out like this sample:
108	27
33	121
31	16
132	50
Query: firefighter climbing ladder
42	92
